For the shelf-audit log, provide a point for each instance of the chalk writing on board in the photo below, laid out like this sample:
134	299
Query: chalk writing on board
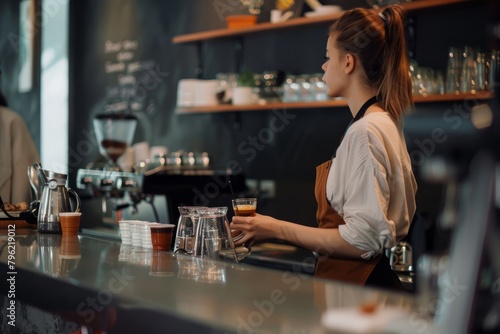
129	79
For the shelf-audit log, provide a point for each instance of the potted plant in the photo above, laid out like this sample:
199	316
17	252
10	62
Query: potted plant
243	92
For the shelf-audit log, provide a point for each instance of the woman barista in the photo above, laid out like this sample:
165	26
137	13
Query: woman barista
366	193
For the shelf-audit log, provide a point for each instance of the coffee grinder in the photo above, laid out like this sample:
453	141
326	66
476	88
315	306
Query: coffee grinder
114	133
117	189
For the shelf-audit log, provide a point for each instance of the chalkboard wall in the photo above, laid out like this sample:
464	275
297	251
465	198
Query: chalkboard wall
110	35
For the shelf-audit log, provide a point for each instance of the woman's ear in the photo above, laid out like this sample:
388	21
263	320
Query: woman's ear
349	63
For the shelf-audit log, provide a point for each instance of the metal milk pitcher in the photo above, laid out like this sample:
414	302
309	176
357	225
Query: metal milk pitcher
401	258
55	199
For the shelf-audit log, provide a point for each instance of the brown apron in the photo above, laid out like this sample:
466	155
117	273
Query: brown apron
349	270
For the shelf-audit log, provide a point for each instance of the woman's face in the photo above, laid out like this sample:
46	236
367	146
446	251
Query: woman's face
334	76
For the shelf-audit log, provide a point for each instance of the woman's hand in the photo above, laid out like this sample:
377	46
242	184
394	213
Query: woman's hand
325	241
257	227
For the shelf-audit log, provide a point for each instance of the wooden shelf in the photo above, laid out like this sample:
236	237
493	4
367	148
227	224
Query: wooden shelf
323	104
296	22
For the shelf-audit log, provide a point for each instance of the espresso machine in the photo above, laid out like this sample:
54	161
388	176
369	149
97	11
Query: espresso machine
165	181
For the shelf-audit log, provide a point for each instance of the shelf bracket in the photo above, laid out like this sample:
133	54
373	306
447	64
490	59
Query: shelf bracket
238	54
237	121
199	68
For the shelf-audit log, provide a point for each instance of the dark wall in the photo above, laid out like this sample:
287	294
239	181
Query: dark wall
309	138
26	104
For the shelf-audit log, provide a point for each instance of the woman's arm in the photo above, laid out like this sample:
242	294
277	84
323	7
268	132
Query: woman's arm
320	240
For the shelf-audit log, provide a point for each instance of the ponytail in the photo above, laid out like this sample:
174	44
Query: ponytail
395	90
378	39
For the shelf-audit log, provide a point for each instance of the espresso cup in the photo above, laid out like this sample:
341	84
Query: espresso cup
161	236
70	222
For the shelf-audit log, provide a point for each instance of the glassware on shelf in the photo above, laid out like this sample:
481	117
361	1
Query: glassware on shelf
480	80
291	89
269	86
470	70
425	80
305	88
492	65
453	70
318	87
468	73
226	83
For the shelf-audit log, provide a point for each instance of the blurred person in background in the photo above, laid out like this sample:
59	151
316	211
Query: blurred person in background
17	152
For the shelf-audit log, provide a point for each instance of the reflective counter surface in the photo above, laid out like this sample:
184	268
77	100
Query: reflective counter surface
118	288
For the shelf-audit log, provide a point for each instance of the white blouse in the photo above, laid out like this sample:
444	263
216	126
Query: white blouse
371	184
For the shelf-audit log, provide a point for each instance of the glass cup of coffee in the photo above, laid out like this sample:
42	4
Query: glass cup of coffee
70	223
161	236
244	206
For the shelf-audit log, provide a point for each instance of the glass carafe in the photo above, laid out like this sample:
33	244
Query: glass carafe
213	235
186	229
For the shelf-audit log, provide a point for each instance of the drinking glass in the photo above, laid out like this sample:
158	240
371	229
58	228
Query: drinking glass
468	74
493	69
453	70
481	80
186	228
244	206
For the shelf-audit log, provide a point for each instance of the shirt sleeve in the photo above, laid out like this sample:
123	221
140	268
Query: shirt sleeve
362	191
366	200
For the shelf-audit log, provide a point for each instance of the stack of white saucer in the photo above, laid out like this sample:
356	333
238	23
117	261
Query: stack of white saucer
206	93
196	92
186	92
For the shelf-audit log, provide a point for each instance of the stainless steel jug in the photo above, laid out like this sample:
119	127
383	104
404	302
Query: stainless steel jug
401	258
55	199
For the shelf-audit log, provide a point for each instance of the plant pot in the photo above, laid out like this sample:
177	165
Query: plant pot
243	95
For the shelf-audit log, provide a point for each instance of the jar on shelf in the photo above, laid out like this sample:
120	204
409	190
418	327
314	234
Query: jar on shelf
305	88
291	89
318	87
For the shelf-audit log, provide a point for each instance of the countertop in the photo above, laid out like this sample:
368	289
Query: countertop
109	286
